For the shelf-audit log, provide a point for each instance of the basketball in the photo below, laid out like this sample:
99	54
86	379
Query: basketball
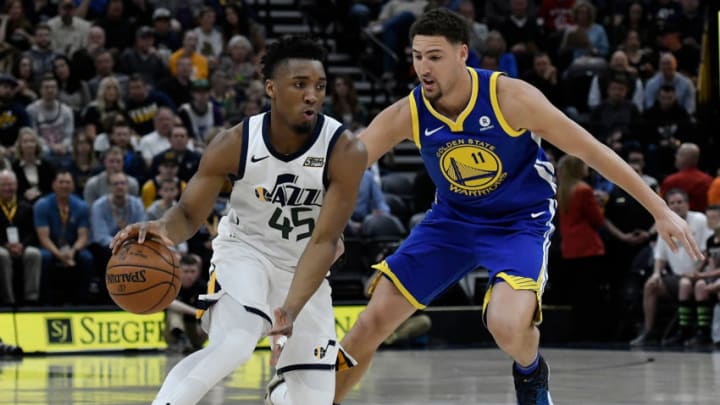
143	278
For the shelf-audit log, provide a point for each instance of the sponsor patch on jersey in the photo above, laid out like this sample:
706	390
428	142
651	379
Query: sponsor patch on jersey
314	162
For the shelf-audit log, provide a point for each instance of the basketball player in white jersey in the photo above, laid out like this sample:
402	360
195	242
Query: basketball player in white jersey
296	177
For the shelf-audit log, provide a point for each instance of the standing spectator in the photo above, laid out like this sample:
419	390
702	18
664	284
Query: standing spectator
143	104
34	174
108	215
157	141
187	160
177	87
183	333
41	54
143	58
582	248
53	120
83	164
345	106
83	61
69	32
12	115
210	41
99	185
694	182
16	244
668	74
107	103
73	92
198	62
199	115
618	64
62	225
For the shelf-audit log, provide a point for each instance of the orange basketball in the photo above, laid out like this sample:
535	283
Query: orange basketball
143	278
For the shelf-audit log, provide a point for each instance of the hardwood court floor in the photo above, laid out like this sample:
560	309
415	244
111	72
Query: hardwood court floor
437	377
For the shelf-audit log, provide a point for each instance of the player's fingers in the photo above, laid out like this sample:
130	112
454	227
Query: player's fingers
142	233
670	240
691	247
127	233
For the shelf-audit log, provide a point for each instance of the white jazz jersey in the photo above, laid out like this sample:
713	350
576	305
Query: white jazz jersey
276	199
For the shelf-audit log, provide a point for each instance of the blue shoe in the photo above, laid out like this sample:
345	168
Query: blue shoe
533	389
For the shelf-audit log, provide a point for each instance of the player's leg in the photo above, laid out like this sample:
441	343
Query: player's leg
303	387
234	333
387	309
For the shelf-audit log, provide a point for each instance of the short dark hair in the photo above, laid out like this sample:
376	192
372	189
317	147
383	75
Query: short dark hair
291	47
713	207
442	22
62	171
189	259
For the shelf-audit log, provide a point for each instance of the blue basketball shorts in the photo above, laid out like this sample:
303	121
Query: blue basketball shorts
442	249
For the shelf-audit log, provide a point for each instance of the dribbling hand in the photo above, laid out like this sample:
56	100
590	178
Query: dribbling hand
141	229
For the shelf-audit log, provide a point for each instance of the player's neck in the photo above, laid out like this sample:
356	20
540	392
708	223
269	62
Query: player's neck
452	103
285	139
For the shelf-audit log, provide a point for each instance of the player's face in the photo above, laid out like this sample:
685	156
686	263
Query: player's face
297	93
438	64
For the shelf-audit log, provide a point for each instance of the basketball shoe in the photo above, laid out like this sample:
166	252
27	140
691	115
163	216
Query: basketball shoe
533	389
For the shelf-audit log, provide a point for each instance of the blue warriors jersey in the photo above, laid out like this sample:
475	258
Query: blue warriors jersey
484	170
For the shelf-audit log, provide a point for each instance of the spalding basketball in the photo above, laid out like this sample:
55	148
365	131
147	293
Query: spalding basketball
143	278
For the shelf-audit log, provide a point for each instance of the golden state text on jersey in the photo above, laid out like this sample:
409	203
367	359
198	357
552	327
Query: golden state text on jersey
478	162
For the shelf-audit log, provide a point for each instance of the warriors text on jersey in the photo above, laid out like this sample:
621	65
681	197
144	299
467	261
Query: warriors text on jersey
276	198
483	168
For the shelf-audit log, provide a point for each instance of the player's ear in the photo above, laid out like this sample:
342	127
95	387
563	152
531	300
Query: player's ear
464	52
269	88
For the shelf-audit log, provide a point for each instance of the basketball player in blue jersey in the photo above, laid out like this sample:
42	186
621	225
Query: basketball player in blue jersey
479	134
296	178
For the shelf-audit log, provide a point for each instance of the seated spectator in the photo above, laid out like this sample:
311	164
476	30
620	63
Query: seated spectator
13	113
177	87
41	54
238	63
344	105
670	266
73	92
143	104
142	59
222	95
167	39
618	65
198	62
636	160
99	185
668	74
586	37
16	29
689	178
616	117
183	333
238	21
187	159
83	164
639	58
632	18
83	60
69	32
667	125
108	215
169	192
17	248
157	141
707	280
108	102
105	68
34	174
521	32
62	225
478	31
114	21
544	76
370	201
122	137
210	41
714	190
200	114
52	120
687	55
496	47
167	170
25	92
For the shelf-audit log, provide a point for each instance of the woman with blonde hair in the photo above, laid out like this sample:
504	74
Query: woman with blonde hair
581	247
108	101
34	174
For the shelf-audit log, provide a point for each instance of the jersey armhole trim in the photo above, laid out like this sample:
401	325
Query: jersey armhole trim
415	119
331	146
244	148
496	108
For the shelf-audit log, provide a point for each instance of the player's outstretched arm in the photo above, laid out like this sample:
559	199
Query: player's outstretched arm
392	126
346	167
524	106
182	220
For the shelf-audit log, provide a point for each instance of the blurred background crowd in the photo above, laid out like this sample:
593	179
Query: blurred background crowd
107	105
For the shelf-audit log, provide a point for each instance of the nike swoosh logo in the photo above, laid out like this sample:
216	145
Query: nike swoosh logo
255	160
428	132
536	214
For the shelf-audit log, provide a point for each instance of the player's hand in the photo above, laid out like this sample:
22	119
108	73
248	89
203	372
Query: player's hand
283	325
140	230
277	343
675	231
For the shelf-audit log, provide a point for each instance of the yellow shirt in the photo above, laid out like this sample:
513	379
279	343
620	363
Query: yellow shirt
199	63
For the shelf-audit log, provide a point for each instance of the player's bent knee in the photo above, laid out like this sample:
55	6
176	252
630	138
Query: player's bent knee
373	326
507	331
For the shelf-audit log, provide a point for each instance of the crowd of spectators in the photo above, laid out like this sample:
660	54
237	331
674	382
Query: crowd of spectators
106	107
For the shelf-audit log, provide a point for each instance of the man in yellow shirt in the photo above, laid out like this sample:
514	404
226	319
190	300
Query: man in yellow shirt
189	49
